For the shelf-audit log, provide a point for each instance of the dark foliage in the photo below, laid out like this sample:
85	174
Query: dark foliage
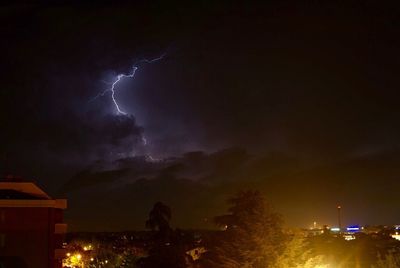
253	235
159	218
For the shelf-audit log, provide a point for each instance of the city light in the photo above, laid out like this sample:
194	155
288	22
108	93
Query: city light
88	247
354	228
349	237
396	236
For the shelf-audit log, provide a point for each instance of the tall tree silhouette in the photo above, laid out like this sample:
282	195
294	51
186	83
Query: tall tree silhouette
166	251
253	235
159	218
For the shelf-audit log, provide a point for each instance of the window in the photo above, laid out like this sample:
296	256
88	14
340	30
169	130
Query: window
2	216
2	240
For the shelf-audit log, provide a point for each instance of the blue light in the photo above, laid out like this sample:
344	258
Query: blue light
354	228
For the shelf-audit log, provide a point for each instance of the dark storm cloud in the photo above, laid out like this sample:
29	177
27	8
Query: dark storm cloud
196	184
102	172
197	166
192	177
93	138
99	137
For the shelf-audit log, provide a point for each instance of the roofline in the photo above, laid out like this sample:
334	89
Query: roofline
25	187
18	203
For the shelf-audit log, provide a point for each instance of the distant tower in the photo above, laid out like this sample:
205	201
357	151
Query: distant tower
339	218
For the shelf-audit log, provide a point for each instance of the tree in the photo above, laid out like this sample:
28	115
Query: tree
298	254
390	260
253	235
159	218
168	249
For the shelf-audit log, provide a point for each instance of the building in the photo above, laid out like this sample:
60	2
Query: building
31	226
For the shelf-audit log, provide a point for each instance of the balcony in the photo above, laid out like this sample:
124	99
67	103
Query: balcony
60	228
61	203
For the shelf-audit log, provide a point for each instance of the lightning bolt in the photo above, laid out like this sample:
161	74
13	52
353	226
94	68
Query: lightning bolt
119	77
114	85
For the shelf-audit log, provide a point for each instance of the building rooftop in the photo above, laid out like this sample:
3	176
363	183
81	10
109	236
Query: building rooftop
21	191
13	194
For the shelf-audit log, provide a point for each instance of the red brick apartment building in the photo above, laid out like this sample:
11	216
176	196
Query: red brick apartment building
31	226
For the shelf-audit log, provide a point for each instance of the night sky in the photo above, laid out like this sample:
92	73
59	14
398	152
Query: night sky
299	100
